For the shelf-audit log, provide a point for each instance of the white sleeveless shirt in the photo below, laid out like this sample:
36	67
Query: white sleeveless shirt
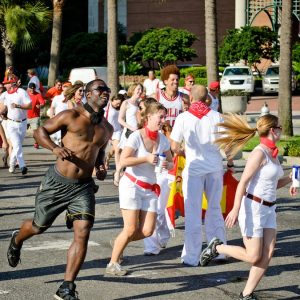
173	106
112	115
264	183
130	115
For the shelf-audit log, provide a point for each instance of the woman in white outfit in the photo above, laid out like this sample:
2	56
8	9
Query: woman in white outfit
138	190
127	119
255	199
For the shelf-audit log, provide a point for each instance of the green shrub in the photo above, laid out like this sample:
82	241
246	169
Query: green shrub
292	148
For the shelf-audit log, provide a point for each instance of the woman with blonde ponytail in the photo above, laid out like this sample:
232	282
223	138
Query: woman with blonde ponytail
255	198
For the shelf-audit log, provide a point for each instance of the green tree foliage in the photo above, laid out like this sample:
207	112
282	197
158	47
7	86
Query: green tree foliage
84	49
296	60
250	44
165	45
19	20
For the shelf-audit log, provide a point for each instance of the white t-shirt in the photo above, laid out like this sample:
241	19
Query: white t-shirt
58	104
202	156
184	90
151	86
145	171
19	97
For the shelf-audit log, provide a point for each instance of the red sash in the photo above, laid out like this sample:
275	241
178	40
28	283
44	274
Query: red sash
271	145
199	109
145	185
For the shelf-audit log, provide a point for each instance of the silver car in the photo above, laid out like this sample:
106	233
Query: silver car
270	80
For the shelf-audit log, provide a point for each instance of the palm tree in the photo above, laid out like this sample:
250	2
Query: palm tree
112	46
285	69
211	41
18	21
58	6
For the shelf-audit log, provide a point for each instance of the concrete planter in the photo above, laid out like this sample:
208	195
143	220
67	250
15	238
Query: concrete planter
234	104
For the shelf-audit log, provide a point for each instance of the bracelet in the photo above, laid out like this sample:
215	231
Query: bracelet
230	166
18	106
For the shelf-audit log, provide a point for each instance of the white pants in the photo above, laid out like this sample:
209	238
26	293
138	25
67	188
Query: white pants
193	188
161	234
16	133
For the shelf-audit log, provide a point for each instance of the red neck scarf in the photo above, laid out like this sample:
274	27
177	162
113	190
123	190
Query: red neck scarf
12	90
199	109
270	144
152	135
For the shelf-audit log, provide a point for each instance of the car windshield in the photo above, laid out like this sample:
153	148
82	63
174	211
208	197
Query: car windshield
272	71
237	71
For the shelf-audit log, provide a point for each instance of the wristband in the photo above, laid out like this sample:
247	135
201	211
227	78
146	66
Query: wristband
18	106
230	166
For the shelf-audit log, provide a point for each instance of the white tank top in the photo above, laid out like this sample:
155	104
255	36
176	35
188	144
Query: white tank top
173	106
264	183
111	114
130	115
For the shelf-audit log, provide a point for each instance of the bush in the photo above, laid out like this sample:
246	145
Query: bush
292	148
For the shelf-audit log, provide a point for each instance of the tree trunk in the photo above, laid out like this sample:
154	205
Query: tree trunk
211	41
56	40
285	70
8	48
112	47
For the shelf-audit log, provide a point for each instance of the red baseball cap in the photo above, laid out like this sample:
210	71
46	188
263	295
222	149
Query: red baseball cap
214	85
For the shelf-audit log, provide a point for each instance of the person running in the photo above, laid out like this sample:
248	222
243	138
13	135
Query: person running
138	190
74	95
151	84
33	114
213	96
255	198
127	119
203	172
68	185
54	91
112	114
33	78
15	102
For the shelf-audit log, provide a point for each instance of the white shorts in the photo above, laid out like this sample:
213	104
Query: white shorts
254	217
133	197
116	135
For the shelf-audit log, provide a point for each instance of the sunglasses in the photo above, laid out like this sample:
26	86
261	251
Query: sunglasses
278	127
80	91
141	108
102	89
191	81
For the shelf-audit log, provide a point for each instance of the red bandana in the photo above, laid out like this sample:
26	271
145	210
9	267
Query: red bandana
199	109
270	144
152	135
12	90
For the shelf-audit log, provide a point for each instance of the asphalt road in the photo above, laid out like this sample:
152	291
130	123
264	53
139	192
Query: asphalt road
160	277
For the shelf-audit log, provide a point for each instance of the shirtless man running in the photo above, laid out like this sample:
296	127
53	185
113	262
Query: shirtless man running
68	185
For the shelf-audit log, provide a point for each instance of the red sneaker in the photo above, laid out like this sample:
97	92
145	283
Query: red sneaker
36	146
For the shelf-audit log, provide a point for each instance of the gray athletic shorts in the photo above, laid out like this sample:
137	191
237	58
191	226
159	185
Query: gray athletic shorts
58	193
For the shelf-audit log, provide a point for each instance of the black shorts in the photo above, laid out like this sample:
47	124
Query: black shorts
58	193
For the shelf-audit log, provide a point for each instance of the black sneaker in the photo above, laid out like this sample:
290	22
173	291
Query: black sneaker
248	297
24	170
210	252
66	292
13	252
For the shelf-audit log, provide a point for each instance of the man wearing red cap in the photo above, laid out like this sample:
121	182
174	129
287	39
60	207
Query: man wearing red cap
214	90
15	101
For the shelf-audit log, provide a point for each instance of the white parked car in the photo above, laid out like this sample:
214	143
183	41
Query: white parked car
270	80
237	78
87	74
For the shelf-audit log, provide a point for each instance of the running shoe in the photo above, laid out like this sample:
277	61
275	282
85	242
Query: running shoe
13	252
11	169
210	252
248	297
115	269
67	292
24	170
